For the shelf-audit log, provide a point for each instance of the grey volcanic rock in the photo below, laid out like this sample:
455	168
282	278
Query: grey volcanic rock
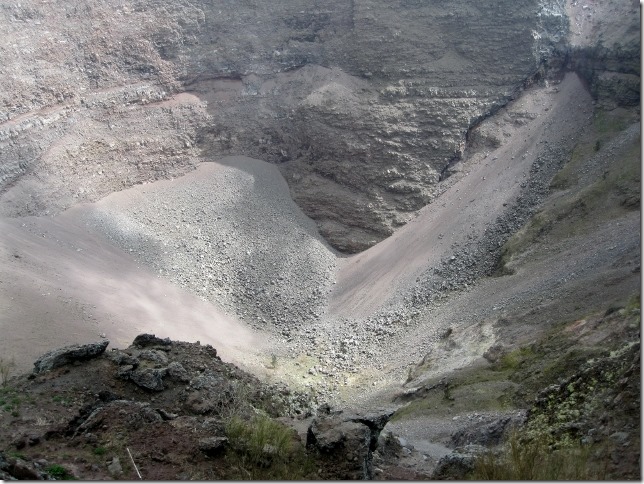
489	433
329	435
376	422
154	356
4	468
121	358
149	378
178	372
607	52
125	371
348	439
68	355
361	104
454	466
212	445
267	263
114	467
14	468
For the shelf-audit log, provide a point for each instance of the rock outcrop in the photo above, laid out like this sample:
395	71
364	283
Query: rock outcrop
605	50
348	441
198	417
68	355
149	378
454	466
144	340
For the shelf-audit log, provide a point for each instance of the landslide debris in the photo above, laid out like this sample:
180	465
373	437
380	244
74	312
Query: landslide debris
230	233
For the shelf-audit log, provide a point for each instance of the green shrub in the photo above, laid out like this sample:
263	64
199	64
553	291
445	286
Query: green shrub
60	400
10	401
533	459
58	472
633	305
259	438
265	449
6	367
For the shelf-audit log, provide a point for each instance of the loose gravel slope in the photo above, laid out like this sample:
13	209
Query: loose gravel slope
228	232
204	256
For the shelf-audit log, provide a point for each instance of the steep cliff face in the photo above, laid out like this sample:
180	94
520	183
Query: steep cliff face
363	104
605	50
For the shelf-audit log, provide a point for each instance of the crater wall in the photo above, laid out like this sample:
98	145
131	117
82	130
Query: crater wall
363	104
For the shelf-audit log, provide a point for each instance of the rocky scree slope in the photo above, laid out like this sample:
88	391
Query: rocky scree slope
363	104
230	233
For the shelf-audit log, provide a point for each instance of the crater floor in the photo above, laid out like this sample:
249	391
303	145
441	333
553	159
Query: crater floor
224	256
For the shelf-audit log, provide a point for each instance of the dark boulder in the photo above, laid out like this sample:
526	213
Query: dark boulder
488	433
69	354
376	422
344	443
149	378
454	466
145	339
121	358
178	372
212	446
348	441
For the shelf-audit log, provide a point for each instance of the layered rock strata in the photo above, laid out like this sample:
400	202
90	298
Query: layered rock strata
363	104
